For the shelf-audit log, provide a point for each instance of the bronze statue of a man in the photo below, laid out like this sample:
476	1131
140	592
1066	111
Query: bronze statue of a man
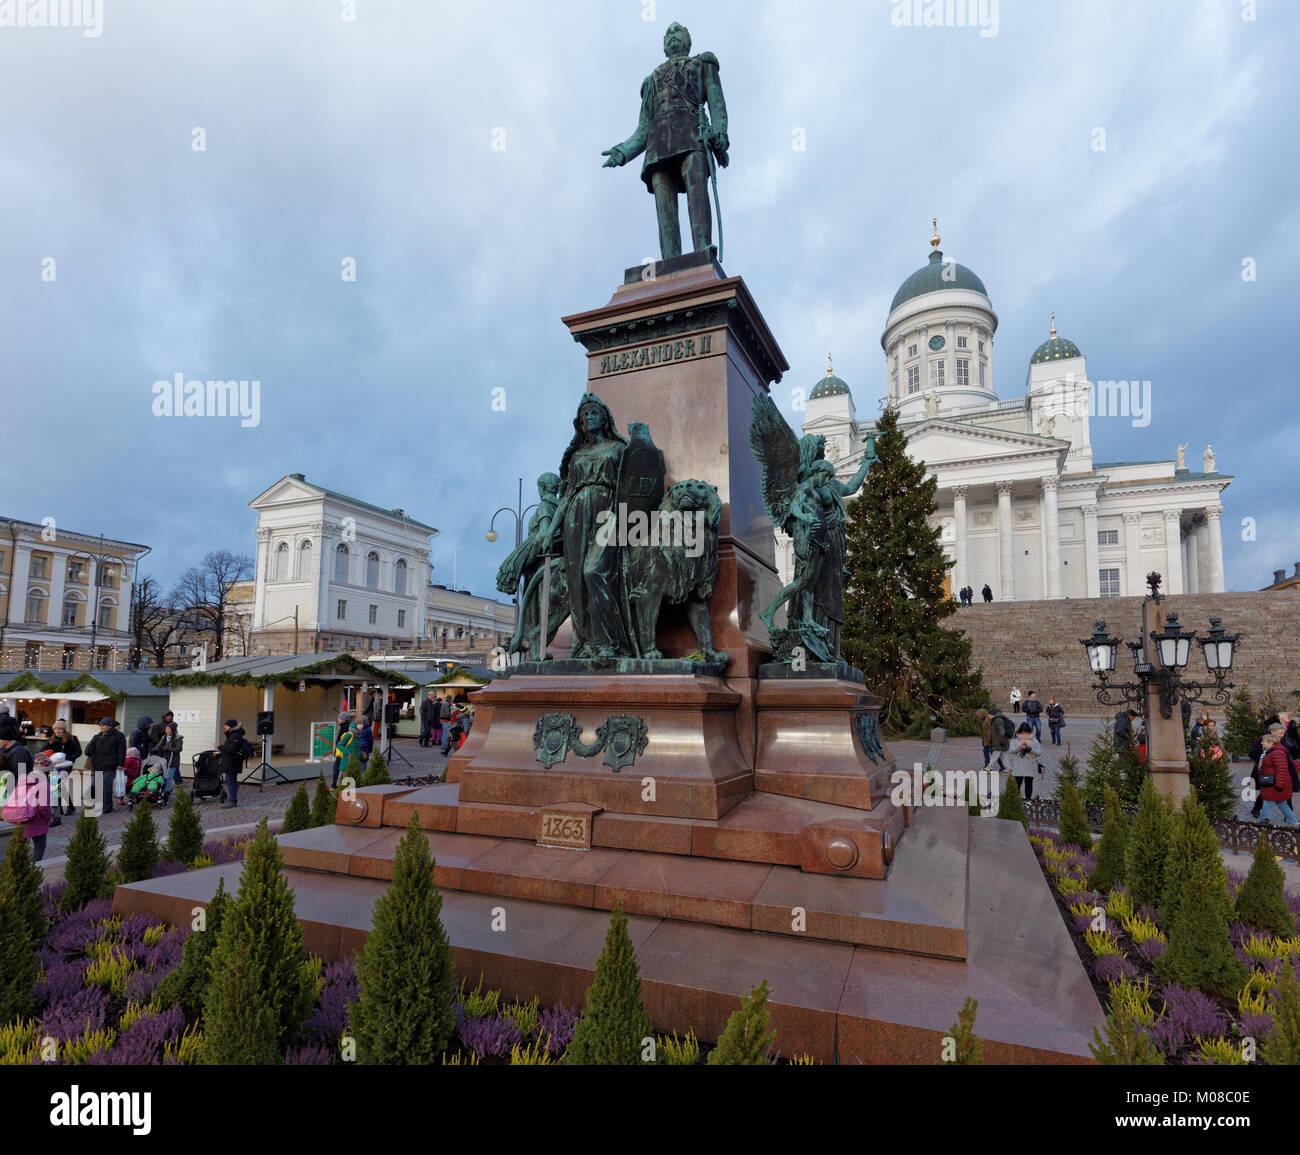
679	140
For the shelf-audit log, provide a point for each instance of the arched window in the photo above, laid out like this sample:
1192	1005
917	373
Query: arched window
36	606
399	576
106	608
372	570
282	562
341	563
69	611
304	561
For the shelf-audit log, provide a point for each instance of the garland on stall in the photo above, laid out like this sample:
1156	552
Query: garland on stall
29	681
457	674
206	678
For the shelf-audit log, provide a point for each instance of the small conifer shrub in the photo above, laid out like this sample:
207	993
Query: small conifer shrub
746	1039
184	830
261	988
1111	849
1074	822
405	1014
138	854
967	1049
323	804
87	866
1261	902
613	1022
298	814
1147	848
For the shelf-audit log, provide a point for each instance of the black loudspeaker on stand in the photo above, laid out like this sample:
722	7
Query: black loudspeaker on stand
264	770
390	731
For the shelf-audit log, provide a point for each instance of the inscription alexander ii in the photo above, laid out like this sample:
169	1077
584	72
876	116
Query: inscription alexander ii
681	350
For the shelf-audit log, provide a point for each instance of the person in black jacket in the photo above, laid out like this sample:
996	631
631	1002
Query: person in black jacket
156	730
106	755
234	750
1033	713
1055	720
428	716
140	736
988	593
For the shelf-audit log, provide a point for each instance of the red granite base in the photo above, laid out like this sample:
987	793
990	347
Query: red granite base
840	1001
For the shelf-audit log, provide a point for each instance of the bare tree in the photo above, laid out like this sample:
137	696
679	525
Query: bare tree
203	593
154	621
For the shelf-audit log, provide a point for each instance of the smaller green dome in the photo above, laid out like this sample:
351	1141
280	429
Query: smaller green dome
828	386
1054	349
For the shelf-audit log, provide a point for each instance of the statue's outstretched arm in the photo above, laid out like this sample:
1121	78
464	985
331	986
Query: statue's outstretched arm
850	487
635	144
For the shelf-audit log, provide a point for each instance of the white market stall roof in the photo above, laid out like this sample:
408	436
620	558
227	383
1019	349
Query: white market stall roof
270	671
29	684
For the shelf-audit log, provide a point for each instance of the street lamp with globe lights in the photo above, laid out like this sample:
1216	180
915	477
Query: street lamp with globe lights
1160	658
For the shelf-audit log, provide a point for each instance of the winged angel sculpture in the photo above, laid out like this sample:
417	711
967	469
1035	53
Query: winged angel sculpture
804	497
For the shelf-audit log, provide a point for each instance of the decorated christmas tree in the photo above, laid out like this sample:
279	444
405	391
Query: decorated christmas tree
895	603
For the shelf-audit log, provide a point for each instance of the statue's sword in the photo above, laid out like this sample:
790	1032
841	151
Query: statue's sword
713	174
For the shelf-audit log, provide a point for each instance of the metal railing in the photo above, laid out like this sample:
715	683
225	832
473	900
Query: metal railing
1233	834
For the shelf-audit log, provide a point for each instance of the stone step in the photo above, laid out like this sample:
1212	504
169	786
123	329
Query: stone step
768	828
851	1004
908	913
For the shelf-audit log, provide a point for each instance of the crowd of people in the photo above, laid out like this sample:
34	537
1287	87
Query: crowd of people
966	595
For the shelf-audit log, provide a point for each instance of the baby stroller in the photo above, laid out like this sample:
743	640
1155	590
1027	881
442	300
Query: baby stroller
150	783
208	780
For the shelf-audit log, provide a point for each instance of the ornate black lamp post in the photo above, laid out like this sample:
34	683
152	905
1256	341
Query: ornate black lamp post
1160	658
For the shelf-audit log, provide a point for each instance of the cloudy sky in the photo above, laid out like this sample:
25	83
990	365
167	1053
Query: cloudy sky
452	151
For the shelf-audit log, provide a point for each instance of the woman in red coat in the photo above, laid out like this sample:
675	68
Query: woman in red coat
1276	765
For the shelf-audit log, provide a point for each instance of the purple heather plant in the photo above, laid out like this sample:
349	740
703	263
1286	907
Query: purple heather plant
226	849
330	1018
492	1035
1152	949
1110	967
63	980
1149	912
51	894
1256	1026
557	1023
71	1017
167	867
311	1055
133	928
1188	1014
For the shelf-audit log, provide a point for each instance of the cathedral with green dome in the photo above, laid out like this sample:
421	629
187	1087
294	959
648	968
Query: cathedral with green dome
1024	506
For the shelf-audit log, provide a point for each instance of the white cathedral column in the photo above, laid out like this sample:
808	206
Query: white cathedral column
1173	553
1134	583
1203	567
959	576
1090	555
1215	534
1193	561
1052	529
260	576
1006	555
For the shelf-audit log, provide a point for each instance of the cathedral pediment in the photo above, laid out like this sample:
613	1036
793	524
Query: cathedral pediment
939	442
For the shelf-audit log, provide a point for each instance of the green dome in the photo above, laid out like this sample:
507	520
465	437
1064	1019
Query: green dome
828	386
1054	349
936	276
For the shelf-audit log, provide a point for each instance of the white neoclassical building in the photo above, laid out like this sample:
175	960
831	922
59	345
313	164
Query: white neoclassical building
1023	506
334	573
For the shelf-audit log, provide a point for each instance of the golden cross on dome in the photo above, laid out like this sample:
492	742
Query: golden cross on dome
934	240
1053	324
830	371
